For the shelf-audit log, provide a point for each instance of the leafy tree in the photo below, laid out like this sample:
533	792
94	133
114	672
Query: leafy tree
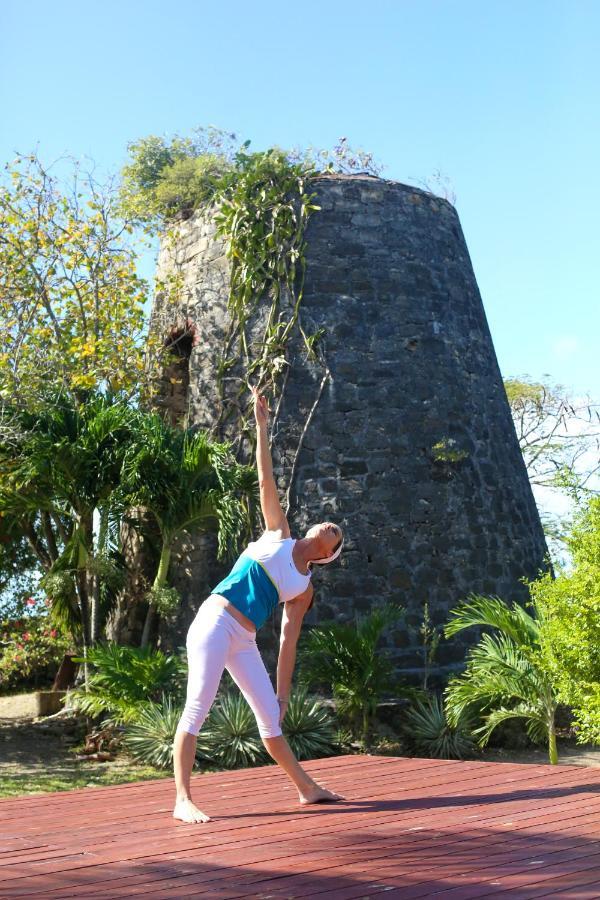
72	307
570	640
559	437
165	178
504	678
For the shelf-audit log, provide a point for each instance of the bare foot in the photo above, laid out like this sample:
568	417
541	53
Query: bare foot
318	794
187	811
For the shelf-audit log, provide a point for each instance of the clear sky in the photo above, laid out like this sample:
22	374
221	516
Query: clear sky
502	96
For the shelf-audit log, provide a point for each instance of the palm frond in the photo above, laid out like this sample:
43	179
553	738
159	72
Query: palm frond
492	612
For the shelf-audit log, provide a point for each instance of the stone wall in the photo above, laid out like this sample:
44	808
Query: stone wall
412	366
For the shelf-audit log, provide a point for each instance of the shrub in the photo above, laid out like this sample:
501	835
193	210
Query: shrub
346	658
429	732
309	727
126	680
31	649
505	678
150	738
570	638
230	735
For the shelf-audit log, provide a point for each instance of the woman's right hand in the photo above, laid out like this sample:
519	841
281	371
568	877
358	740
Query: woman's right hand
261	407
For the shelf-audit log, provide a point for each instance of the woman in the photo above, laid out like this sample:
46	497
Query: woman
273	569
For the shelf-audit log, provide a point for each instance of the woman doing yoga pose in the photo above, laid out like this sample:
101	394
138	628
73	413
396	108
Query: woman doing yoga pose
274	569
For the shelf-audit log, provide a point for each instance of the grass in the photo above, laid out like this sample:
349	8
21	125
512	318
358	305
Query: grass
18	781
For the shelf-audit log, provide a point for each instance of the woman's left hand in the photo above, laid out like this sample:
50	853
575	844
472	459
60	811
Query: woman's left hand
283	705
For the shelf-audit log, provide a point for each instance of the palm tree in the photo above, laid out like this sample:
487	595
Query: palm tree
187	482
59	465
504	678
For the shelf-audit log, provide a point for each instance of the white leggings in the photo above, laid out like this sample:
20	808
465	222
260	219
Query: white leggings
216	641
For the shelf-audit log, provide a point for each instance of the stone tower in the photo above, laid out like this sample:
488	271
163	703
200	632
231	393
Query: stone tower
411	446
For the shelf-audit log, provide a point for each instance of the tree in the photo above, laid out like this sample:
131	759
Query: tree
59	465
571	607
504	678
69	473
186	481
72	308
559	436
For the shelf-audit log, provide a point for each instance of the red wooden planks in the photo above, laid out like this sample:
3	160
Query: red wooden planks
408	828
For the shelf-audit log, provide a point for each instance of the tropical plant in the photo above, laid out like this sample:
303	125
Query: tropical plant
186	481
230	734
309	727
429	732
504	678
347	659
125	680
59	464
69	463
149	738
570	639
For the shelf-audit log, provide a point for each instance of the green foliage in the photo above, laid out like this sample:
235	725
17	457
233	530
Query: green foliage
230	735
188	183
165	599
570	605
125	680
558	436
309	726
430	734
65	461
31	649
188	481
263	210
446	450
504	678
166	178
149	738
347	659
72	308
262	205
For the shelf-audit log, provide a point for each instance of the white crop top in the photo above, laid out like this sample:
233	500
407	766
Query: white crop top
275	555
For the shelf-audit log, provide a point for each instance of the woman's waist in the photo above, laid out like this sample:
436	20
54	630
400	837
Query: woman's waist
224	603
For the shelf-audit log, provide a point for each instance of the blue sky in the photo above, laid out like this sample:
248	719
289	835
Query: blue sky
502	97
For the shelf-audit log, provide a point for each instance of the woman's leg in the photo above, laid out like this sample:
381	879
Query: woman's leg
246	667
207	644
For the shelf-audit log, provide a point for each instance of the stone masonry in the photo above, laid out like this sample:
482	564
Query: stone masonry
412	368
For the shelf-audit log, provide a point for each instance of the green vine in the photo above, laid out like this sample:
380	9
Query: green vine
263	209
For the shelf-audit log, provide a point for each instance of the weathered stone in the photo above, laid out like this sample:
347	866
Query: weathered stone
412	363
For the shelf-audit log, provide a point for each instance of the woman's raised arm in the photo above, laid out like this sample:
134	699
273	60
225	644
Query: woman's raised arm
272	511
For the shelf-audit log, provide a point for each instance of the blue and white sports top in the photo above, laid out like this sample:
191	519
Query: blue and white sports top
264	575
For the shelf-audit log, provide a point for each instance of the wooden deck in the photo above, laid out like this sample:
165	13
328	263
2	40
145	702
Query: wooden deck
409	828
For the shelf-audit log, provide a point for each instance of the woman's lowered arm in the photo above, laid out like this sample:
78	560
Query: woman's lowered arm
273	514
291	623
